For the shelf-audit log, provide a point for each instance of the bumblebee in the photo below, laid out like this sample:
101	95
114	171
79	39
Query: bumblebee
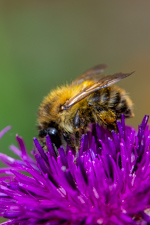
66	113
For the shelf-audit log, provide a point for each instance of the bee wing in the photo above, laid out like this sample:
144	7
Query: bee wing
91	74
103	82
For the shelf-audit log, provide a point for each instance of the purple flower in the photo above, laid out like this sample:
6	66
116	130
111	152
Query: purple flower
108	184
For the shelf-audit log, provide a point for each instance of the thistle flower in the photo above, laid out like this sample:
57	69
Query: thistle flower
108	184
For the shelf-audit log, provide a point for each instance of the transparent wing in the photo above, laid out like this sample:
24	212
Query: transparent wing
91	74
103	82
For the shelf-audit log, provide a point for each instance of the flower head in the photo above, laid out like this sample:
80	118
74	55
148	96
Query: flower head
108	184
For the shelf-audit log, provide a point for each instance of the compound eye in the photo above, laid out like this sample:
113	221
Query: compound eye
54	135
42	133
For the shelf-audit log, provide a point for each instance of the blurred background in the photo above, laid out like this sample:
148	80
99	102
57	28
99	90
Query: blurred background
44	44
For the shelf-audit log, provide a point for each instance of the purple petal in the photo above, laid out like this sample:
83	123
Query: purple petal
4	131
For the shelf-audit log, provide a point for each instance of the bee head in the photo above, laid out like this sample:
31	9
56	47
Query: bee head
53	134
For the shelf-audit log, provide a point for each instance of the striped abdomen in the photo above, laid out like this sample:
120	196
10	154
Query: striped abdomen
112	99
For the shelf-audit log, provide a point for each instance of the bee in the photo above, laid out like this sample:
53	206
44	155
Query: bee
66	113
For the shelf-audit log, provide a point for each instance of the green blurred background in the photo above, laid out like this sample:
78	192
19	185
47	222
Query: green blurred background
46	43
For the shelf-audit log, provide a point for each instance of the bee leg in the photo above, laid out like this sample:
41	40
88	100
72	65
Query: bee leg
77	131
77	141
106	116
110	120
68	140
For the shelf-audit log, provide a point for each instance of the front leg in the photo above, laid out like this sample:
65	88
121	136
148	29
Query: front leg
68	139
77	130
